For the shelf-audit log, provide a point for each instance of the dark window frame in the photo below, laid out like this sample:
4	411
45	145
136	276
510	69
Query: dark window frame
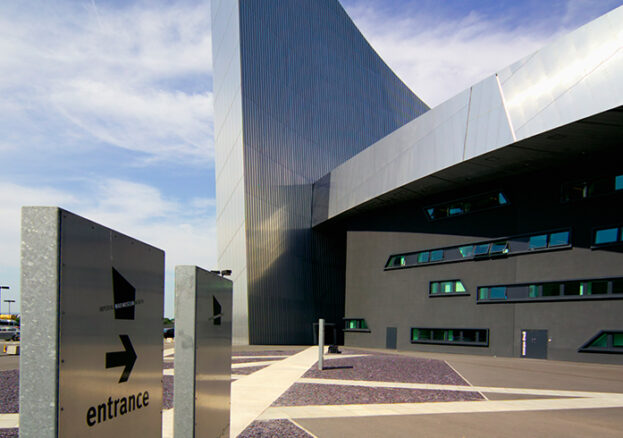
464	199
355	330
479	343
609	295
618	242
610	349
516	240
586	182
447	294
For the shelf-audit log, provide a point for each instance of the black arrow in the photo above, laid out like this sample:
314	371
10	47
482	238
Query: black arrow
122	358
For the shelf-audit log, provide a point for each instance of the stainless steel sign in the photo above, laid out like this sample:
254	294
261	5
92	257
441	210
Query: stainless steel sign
109	347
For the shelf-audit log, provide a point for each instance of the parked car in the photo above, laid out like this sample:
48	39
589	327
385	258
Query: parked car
169	332
9	333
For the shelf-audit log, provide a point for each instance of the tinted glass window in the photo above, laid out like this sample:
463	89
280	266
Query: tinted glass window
608	235
618	182
423	257
617	340
499	248
539	241
480	250
497	293
446	286
573	288
557	239
458	287
617	286
601	341
467	251
436	255
434	288
551	289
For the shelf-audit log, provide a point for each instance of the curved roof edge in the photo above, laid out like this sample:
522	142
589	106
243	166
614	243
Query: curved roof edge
575	77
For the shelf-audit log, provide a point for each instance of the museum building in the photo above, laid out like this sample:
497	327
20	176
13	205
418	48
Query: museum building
490	224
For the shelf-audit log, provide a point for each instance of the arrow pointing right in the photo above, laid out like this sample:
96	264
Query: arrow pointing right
122	358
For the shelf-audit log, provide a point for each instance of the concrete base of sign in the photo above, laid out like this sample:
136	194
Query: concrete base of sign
203	302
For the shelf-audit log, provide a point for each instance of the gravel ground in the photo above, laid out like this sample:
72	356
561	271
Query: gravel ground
388	368
9	392
305	394
167	392
273	429
265	353
9	433
247	370
251	359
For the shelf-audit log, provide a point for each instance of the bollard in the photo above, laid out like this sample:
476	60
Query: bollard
320	344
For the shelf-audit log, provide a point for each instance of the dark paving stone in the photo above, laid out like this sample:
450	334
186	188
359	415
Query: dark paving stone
9	392
304	394
9	433
388	368
247	370
273	429
247	360
167	392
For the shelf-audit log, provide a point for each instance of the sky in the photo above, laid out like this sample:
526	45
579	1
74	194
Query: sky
106	108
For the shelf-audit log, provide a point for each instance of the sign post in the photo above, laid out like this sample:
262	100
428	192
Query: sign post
92	301
202	383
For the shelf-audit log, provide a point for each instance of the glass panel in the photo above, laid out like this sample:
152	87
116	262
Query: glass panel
617	286
561	238
617	340
573	288
415	334
402	260
502	199
450	335
446	287
439	335
539	241
607	235
482	249
483	293
595	288
458	287
467	251
352	324
425	334
499	248
551	289
601	341
423	257
533	291
434	287
436	255
469	336
618	182
431	213
455	209
497	293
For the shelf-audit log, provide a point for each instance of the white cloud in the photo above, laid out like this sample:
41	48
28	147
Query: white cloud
135	77
439	61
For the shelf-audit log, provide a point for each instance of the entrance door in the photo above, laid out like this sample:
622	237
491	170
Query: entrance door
391	338
534	344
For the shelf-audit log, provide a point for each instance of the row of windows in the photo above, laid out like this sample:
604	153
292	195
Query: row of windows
355	324
438	288
554	290
578	190
476	337
494	248
466	205
607	236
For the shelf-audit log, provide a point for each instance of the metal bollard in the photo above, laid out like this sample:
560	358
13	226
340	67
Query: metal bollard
320	344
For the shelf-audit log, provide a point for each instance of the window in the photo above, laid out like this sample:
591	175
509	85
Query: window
449	287
538	241
451	336
600	288
604	342
558	239
516	245
466	205
576	191
355	324
605	236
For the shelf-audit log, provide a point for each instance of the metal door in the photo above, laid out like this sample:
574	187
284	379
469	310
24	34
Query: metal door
534	344
391	338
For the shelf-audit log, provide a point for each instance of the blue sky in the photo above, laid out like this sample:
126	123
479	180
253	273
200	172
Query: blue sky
106	107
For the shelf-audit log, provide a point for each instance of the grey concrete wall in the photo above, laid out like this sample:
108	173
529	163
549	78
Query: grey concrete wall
399	298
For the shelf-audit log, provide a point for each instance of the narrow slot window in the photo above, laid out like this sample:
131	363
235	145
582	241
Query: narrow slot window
458	287
606	235
538	241
466	251
497	293
434	288
436	255
481	250
559	239
423	257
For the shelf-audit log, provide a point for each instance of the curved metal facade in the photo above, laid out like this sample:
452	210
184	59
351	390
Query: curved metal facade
298	90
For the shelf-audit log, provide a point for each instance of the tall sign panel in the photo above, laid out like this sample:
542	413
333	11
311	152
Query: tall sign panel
92	302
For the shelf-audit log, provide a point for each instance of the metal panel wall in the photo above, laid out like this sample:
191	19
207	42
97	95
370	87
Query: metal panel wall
314	93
